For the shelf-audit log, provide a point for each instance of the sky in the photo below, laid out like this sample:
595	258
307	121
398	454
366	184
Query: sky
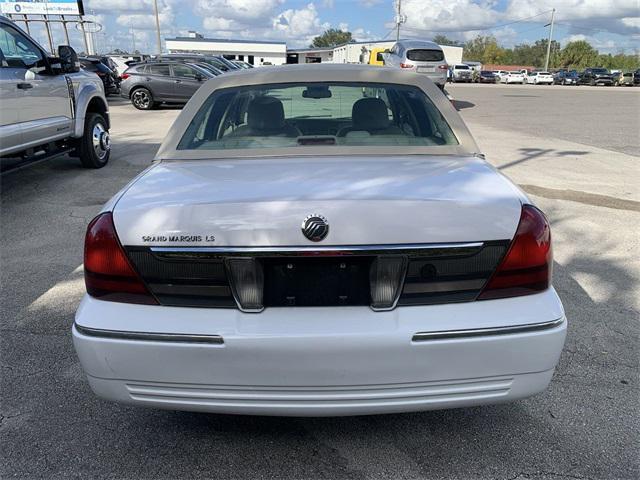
612	26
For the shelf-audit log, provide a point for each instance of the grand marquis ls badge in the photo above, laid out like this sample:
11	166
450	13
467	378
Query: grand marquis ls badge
315	227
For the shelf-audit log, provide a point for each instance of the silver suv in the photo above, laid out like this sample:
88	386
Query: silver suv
419	56
49	106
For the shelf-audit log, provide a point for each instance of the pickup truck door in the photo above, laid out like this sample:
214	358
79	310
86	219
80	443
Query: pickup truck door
186	81
45	107
10	97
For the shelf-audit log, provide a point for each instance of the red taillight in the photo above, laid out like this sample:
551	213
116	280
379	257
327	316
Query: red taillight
526	268
124	76
108	275
406	65
443	67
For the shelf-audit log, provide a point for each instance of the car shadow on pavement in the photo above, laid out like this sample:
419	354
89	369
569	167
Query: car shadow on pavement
462	104
533	153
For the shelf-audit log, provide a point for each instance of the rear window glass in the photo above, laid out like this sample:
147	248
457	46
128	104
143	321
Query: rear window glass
325	114
158	70
461	67
425	55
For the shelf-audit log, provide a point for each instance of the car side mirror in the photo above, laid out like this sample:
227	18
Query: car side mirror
69	62
199	77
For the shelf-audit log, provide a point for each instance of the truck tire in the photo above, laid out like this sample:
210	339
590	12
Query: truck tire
94	147
142	99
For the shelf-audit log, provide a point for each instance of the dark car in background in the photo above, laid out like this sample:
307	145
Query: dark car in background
241	64
564	77
596	76
207	66
110	78
487	76
219	62
152	83
636	77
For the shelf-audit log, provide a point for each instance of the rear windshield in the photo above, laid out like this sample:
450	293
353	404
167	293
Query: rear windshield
325	114
600	70
424	55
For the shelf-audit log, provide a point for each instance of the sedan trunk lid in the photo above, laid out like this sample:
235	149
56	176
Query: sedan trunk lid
366	201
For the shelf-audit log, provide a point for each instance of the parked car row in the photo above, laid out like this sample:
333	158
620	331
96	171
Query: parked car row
590	76
172	78
154	87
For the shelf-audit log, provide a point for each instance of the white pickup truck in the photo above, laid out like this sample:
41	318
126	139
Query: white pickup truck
49	106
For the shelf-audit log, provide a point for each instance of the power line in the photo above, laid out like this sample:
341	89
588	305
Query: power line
388	33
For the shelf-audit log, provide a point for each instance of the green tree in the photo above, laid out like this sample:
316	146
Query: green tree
535	55
331	38
444	40
579	54
483	49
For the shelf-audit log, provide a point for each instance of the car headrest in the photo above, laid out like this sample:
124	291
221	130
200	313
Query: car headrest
369	114
265	113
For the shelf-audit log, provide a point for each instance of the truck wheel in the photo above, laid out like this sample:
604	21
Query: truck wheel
94	147
142	99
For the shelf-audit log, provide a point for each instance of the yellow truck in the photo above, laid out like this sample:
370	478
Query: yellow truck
375	56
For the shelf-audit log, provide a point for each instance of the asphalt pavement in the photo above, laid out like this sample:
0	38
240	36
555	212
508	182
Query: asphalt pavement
574	150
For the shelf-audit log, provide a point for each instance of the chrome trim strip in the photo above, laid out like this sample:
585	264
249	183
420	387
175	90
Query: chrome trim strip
302	249
477	332
149	337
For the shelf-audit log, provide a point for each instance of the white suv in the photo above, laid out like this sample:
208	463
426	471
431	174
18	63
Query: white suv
420	57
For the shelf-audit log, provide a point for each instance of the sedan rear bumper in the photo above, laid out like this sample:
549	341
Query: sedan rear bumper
315	361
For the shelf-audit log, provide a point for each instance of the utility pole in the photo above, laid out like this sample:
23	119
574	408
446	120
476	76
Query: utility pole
546	62
398	19
155	11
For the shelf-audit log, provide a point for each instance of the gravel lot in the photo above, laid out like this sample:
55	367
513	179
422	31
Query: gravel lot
570	148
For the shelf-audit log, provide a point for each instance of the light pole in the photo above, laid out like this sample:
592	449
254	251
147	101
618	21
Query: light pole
155	11
399	19
546	62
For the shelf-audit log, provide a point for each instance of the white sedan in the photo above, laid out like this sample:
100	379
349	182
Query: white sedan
513	77
319	240
540	78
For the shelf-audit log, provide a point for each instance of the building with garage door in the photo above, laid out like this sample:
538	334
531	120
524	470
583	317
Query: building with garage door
255	52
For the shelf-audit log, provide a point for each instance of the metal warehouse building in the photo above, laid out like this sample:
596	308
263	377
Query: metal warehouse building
251	51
